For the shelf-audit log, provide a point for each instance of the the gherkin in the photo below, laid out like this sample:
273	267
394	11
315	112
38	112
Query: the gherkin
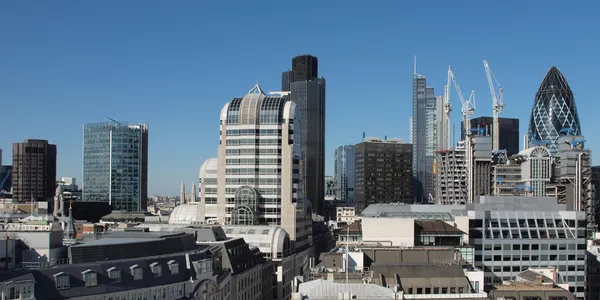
553	110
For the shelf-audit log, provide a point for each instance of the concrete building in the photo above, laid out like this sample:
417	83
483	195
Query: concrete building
307	90
34	170
344	173
259	166
572	180
482	166
451	177
506	175
68	184
115	165
329	188
208	190
508	235
382	172
536	168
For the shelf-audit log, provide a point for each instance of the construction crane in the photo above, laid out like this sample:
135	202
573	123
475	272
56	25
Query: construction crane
497	106
447	109
468	109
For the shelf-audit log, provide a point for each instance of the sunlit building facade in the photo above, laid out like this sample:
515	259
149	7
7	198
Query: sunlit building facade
115	165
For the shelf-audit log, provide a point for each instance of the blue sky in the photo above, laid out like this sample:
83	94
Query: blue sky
174	64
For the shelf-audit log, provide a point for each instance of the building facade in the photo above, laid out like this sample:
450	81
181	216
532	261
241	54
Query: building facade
208	190
34	170
344	171
115	165
383	172
509	132
307	90
424	138
260	157
553	110
512	234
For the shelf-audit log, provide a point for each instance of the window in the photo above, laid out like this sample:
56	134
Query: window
90	277
14	293
62	281
173	267
28	291
114	275
137	272
156	269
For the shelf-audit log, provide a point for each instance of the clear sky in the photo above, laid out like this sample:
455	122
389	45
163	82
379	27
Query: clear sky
174	64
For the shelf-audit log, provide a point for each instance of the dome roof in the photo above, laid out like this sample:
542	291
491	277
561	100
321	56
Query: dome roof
185	214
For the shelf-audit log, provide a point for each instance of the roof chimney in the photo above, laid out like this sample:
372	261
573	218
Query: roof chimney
538	279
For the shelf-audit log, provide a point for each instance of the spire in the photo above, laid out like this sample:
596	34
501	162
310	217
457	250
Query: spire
193	192
415	65
256	90
182	194
69	232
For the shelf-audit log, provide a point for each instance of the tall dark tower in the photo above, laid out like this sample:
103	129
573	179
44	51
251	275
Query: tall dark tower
34	170
554	110
307	90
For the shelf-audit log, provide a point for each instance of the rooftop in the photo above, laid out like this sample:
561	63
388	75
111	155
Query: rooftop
525	286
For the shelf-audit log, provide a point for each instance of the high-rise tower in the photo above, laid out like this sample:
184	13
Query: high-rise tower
307	90
424	138
115	164
34	170
259	161
553	111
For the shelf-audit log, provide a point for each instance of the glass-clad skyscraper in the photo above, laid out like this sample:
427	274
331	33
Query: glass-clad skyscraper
424	138
553	111
344	171
115	164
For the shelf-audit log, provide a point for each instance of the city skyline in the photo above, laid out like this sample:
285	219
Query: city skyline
180	103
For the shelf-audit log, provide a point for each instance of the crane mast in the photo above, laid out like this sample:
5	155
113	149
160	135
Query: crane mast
468	109
447	109
497	105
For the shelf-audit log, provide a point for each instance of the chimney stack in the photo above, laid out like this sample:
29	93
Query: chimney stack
538	279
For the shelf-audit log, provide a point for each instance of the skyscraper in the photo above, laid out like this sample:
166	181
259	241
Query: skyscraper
509	132
260	156
382	172
307	90
115	164
34	170
424	138
344	172
553	110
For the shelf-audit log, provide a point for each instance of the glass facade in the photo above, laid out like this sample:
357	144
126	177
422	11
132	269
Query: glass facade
344	171
553	110
424	138
115	165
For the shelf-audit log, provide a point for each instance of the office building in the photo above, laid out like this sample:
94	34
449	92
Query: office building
553	110
424	138
451	177
115	165
307	90
329	188
208	190
509	132
34	170
382	172
5	179
503	236
259	161
344	171
595	180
